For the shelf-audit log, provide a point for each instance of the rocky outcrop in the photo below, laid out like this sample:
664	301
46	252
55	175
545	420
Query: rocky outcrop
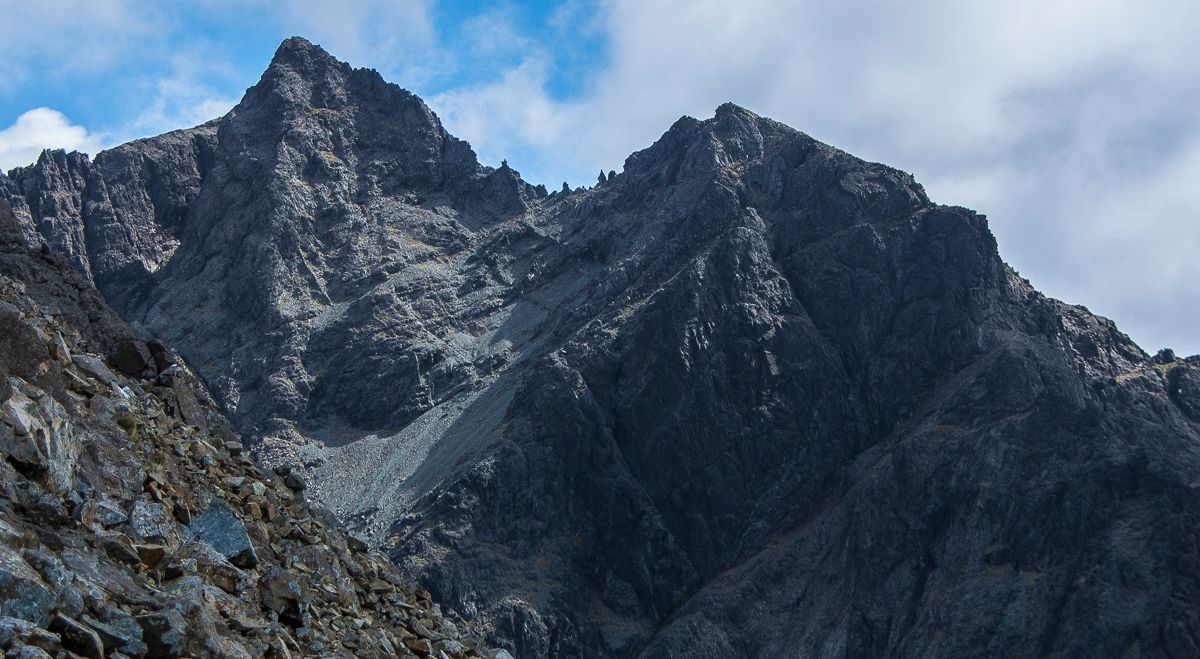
750	396
132	524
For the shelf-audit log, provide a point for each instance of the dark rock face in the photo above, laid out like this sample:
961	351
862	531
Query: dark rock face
99	471
751	396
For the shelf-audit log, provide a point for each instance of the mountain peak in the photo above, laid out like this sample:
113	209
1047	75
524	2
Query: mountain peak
297	52
730	109
297	42
301	75
298	63
690	145
478	380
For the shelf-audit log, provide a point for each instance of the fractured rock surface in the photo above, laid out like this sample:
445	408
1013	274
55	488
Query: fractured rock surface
100	554
751	396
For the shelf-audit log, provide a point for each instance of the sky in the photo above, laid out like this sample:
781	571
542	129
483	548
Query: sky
1072	124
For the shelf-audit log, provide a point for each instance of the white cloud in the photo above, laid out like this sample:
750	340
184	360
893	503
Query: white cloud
1070	123
183	98
54	36
512	116
38	129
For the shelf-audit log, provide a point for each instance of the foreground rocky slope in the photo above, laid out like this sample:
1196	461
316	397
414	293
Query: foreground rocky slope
132	523
751	396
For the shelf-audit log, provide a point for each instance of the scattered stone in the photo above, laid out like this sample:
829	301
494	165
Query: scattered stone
120	548
22	592
163	359
96	368
164	633
280	591
61	351
77	637
219	527
133	358
39	436
150	521
295	480
119	633
108	512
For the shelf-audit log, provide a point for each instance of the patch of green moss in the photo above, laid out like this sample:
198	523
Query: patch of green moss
127	422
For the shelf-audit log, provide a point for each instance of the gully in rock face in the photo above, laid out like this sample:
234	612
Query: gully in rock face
750	396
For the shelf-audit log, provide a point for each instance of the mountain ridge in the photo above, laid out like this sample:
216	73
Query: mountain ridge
132	523
752	396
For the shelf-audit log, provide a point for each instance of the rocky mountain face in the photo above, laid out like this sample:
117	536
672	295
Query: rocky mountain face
132	524
751	396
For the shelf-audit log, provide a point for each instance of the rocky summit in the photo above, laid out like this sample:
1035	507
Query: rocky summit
749	397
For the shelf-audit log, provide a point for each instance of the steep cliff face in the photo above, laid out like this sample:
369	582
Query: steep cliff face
750	397
133	524
314	192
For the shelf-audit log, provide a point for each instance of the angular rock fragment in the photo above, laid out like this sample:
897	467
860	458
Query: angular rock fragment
280	591
220	527
36	433
96	368
119	548
120	632
201	558
133	358
108	512
17	635
23	594
77	637
164	633
149	520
